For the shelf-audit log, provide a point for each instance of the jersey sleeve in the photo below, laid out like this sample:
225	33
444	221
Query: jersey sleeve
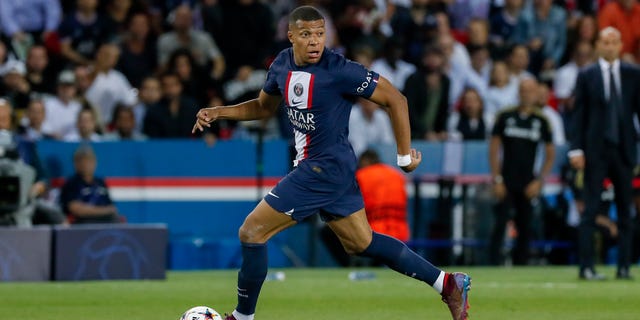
356	80
547	134
271	83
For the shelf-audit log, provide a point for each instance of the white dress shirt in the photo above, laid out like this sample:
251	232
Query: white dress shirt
60	118
565	80
107	90
604	67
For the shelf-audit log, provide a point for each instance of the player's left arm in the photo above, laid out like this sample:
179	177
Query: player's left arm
386	95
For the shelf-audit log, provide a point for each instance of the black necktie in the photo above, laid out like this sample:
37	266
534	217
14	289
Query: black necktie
613	132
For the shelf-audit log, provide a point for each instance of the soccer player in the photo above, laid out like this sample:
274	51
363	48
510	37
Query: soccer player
318	87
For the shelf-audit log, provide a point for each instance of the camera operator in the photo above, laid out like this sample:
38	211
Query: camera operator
23	176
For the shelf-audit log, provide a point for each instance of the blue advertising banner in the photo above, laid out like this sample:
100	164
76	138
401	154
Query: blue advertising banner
108	252
25	254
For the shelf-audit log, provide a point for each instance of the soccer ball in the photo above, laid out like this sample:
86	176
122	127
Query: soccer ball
201	313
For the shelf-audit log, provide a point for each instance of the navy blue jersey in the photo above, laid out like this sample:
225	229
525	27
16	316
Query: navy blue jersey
318	99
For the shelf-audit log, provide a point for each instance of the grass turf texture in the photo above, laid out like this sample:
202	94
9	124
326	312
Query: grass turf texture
321	294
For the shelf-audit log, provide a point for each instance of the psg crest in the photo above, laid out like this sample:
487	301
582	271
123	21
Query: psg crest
298	90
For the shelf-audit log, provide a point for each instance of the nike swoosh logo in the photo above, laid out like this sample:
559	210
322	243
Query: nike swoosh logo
272	194
290	212
295	102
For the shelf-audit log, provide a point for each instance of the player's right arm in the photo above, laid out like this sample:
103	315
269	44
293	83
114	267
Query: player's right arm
262	107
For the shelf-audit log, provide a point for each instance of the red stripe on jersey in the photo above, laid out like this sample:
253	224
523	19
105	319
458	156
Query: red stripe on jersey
309	104
310	99
286	90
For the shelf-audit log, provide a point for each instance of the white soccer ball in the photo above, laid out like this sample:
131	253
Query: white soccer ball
201	313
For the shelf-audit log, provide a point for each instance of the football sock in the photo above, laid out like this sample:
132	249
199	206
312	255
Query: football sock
251	276
400	258
439	284
240	316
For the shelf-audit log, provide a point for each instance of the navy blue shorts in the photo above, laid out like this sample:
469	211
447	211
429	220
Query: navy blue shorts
309	189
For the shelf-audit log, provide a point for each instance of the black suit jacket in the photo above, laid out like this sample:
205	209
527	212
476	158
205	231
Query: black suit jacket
591	107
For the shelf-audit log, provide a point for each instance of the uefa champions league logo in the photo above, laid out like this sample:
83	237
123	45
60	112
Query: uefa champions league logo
298	89
111	249
9	259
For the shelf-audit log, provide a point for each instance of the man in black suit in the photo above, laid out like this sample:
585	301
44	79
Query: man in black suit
603	144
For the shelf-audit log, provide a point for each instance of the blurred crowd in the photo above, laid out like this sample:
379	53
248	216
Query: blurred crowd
90	70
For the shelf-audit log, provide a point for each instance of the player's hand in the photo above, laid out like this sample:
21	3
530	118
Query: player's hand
533	189
204	118
416	158
499	191
577	162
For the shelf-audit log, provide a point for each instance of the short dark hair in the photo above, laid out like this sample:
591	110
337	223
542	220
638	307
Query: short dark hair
305	13
369	156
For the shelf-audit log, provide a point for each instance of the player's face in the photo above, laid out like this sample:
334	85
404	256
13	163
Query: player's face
307	39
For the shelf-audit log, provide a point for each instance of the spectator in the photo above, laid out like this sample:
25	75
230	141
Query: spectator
458	69
28	21
470	122
150	94
117	13
623	15
364	54
40	75
173	116
32	130
84	78
202	47
109	87
553	117
565	79
427	93
124	124
195	83
247	83
243	43
138	57
62	110
6	57
359	21
368	125
478	32
518	64
502	26
82	32
84	197
86	128
15	86
463	12
481	62
391	66
586	30
502	92
517	133
542	28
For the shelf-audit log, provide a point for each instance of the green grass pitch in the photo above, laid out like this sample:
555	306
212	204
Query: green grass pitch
319	294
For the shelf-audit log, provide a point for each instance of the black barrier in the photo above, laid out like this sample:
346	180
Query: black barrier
108	252
25	254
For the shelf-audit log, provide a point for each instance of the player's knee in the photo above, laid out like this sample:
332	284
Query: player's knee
248	234
354	248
